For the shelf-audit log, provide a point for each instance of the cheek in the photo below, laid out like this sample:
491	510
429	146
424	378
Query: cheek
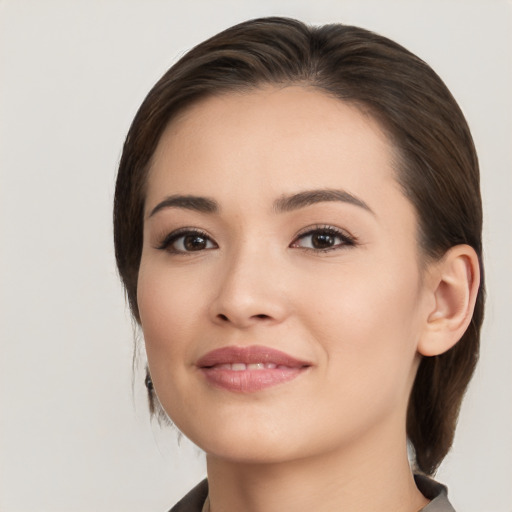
168	307
368	323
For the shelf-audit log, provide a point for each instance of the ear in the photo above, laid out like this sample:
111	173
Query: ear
453	283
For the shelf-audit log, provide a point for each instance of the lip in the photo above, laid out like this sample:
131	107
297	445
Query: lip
249	369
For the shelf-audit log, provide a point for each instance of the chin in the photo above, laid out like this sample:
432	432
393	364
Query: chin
243	442
250	452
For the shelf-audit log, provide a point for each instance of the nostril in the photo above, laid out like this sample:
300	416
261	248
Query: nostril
224	318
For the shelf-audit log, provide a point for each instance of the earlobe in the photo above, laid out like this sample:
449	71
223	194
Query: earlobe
454	284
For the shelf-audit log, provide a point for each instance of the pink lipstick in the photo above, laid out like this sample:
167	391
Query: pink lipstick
249	369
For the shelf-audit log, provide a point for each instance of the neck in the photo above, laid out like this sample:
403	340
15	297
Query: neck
360	478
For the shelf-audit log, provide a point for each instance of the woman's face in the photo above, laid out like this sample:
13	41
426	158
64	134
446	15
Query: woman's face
280	290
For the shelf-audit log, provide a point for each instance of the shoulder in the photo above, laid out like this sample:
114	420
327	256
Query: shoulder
194	500
434	491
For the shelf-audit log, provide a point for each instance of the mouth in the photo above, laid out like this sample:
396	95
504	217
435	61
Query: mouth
249	369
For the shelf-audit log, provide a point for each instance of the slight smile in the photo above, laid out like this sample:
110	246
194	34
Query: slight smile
249	369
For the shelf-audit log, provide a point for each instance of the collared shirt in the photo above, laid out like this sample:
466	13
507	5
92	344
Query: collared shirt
435	492
197	499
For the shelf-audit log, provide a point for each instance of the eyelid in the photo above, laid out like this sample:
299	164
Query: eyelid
348	239
170	238
167	241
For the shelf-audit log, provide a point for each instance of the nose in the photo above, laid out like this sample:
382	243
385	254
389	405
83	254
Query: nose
250	292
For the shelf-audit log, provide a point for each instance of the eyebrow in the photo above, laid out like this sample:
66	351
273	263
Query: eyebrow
195	203
281	205
310	197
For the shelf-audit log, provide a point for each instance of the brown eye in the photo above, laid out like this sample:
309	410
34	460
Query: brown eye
187	241
194	242
323	239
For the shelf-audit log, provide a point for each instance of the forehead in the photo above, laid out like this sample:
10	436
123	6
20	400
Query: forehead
283	138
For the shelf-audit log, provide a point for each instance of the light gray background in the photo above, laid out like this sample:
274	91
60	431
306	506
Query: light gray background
73	436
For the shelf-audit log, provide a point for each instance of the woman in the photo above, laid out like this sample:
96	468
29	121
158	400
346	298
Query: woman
298	228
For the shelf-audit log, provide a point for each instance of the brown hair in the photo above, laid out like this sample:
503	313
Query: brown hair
437	165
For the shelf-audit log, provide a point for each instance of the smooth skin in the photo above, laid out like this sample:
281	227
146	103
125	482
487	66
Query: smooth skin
335	278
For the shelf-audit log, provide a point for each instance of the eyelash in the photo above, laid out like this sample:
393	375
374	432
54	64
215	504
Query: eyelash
167	243
346	240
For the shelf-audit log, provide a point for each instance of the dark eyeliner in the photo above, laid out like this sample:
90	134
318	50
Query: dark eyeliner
169	239
348	240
